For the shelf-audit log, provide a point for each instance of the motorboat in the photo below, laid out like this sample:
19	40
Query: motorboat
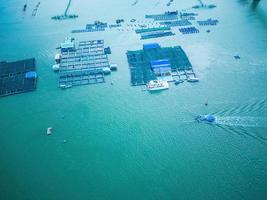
56	67
113	67
58	58
49	130
154	85
106	70
206	118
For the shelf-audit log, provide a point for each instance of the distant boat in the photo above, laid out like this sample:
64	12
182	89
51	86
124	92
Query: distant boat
49	130
157	85
56	67
24	7
192	80
106	70
206	118
58	58
113	67
64	86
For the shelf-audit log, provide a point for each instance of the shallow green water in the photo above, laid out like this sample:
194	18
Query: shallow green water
121	142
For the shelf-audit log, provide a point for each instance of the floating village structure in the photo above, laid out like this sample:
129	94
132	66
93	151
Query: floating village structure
17	77
82	64
154	62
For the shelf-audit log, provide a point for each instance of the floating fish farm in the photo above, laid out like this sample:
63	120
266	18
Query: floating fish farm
189	30
188	16
95	27
17	77
171	62
208	22
166	16
149	33
176	23
82	65
146	30
156	34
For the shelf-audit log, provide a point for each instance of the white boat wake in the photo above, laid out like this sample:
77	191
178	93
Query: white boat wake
253	122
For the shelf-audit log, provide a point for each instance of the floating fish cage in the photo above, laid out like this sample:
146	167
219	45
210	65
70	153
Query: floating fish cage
166	16
81	77
189	30
64	17
140	62
208	22
17	77
145	30
187	14
95	27
114	25
85	64
156	34
176	23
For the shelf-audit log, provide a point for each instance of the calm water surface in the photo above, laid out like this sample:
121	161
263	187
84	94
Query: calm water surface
121	142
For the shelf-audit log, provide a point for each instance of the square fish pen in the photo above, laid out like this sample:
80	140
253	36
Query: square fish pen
83	65
17	77
140	63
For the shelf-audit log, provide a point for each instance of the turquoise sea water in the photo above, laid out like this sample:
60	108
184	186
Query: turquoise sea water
122	142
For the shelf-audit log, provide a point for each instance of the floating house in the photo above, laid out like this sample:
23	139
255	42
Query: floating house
17	77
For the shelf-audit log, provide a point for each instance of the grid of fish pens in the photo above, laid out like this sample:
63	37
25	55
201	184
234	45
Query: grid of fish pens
140	67
17	77
84	64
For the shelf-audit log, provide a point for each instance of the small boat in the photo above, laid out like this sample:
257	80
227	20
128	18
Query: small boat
49	130
106	70
113	67
64	86
157	85
56	67
206	118
58	58
177	82
192	80
25	7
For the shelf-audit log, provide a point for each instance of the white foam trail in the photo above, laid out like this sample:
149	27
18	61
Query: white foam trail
256	122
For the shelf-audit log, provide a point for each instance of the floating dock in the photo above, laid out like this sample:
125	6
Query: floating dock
140	62
17	77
